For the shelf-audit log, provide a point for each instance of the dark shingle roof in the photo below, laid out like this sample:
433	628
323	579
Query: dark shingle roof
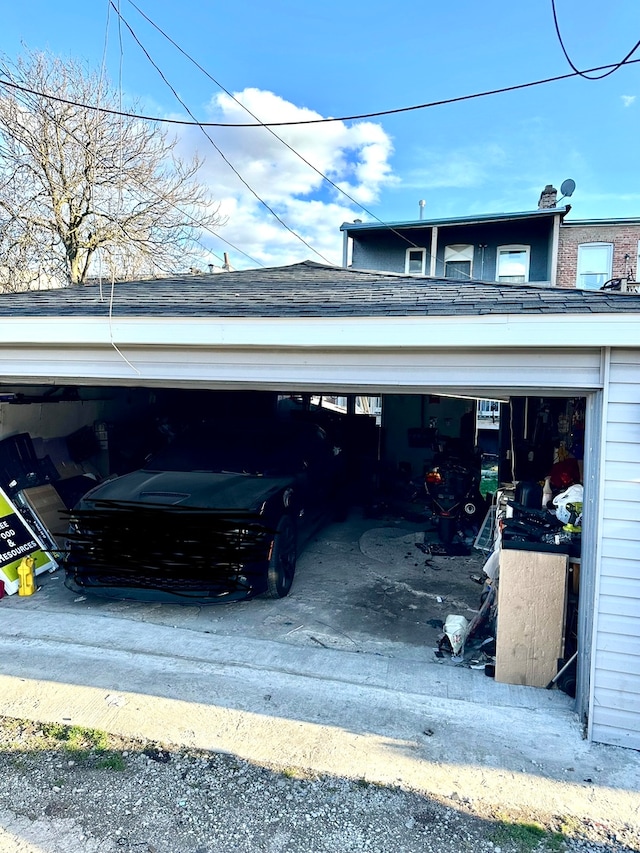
309	289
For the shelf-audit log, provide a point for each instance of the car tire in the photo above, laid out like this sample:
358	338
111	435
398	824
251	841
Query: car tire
282	563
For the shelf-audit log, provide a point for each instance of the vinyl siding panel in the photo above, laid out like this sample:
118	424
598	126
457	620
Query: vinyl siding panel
612	626
624	472
627	414
610	662
620	569
627	683
625	606
615	706
620	509
620	432
619	730
618	451
625	647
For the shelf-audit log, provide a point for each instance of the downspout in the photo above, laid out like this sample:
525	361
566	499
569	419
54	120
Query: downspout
434	251
555	245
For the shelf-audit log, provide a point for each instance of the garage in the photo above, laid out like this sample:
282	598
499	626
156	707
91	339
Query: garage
79	359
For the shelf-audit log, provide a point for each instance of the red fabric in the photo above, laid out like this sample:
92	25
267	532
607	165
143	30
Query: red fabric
564	474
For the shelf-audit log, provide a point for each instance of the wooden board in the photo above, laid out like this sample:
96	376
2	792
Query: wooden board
531	612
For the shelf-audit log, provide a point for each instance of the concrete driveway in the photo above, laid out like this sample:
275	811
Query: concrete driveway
339	677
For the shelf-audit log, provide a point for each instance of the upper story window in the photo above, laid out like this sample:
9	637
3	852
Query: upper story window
594	265
415	261
512	263
458	261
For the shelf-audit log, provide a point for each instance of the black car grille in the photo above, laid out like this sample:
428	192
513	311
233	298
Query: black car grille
126	544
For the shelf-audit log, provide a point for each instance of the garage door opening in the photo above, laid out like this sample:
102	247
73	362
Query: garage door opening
387	580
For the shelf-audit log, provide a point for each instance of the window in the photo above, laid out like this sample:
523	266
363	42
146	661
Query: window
458	261
594	265
415	261
513	264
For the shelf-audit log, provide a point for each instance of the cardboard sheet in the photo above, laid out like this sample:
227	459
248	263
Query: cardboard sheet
531	612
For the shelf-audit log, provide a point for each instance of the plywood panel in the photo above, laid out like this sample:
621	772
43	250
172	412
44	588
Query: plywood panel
531	608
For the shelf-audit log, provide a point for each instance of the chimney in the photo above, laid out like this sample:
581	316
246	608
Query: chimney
226	266
548	197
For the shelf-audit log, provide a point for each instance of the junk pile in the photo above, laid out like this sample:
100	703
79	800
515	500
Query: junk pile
36	488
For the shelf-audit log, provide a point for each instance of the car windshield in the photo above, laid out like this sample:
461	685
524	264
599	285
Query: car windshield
243	448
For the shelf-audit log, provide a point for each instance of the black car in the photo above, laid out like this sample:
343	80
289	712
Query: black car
220	514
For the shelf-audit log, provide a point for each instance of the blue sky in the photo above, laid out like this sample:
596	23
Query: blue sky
289	60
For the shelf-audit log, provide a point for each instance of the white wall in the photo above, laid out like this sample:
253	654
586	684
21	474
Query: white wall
615	708
48	420
58	419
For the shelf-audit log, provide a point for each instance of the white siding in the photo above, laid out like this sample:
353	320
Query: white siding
615	707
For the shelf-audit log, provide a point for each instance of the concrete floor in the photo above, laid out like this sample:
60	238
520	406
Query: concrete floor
362	585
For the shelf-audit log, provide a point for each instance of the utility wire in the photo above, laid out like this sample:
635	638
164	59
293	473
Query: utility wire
269	129
299	122
584	74
217	148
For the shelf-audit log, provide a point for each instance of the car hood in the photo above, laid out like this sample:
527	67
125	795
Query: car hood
188	488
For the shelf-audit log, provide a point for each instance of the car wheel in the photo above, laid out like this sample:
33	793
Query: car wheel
282	564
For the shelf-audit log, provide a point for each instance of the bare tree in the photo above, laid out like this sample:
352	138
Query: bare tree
78	185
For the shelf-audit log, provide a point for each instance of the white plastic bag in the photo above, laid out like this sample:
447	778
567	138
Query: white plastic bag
456	628
571	495
491	567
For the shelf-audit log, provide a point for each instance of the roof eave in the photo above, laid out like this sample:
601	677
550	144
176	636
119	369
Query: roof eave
458	220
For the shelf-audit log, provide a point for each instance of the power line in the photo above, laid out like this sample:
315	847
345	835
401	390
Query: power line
357	117
217	148
267	127
584	74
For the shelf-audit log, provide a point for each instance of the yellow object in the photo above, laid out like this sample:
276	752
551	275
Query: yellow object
26	576
574	525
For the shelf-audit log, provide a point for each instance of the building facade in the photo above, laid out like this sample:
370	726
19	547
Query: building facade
538	247
592	252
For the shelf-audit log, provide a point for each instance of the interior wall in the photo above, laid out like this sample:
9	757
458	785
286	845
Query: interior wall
402	414
57	419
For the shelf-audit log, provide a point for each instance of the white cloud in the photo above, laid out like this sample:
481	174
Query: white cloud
627	100
355	158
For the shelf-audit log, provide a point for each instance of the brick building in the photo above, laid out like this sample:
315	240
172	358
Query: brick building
592	251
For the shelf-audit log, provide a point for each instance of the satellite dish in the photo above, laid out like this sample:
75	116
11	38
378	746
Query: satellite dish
567	187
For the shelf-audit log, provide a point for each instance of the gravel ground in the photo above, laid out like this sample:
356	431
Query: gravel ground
72	790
